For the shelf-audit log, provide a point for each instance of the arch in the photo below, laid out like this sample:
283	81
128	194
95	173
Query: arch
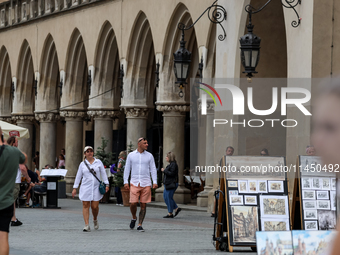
75	89
171	45
106	74
5	83
141	62
24	94
49	76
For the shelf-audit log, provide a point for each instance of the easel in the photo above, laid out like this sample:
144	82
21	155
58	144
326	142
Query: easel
296	197
219	215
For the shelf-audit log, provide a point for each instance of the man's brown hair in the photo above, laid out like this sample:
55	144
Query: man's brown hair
11	140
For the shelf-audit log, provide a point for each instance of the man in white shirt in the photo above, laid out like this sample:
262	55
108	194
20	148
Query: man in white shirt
141	164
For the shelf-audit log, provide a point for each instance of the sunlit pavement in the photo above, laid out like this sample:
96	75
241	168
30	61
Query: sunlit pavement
59	231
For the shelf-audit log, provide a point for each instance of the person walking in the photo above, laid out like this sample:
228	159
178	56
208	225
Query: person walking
122	158
89	190
140	164
13	141
10	158
170	185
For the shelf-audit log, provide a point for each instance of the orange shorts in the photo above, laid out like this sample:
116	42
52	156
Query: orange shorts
142	193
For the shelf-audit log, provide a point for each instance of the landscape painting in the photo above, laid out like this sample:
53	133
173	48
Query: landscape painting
327	219
244	224
274	224
312	242
259	168
274	206
274	242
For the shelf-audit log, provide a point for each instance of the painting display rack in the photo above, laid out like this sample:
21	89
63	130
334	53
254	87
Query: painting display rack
315	194
256	201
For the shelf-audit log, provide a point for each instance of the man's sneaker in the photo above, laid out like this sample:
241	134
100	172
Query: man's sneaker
133	223
87	228
96	225
16	223
23	196
140	229
27	205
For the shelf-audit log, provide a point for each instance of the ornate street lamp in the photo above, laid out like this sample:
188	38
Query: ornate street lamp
35	87
60	88
250	43
250	50
121	78
89	82
12	90
182	57
157	74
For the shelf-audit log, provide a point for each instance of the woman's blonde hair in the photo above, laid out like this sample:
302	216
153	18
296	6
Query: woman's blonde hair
122	154
171	156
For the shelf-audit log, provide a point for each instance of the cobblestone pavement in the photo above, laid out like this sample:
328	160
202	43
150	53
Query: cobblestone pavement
59	231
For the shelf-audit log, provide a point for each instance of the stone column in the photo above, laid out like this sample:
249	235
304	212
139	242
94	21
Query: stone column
73	145
173	140
48	128
103	126
136	124
25	145
205	198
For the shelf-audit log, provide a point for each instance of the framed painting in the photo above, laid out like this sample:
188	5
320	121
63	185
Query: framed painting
255	168
250	200
274	206
275	186
262	186
242	216
273	224
236	200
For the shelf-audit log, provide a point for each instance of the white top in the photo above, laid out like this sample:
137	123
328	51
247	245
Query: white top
18	179
89	189
140	165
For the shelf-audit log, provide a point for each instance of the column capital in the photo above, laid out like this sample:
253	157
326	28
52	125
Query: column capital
135	112
103	113
173	108
72	114
47	117
7	119
23	118
210	106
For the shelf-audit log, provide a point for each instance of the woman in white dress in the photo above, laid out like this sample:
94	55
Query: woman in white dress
89	190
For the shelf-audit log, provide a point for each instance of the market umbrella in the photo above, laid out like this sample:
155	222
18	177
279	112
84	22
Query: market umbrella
10	130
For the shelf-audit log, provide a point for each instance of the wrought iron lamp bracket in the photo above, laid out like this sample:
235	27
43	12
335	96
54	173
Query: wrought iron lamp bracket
216	14
290	4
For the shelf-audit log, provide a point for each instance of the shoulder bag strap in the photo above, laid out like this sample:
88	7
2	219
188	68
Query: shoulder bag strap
91	171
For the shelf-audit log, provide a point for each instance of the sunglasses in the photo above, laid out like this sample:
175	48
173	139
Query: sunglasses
141	139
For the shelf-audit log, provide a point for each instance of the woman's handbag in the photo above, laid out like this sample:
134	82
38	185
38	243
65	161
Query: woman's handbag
102	186
170	186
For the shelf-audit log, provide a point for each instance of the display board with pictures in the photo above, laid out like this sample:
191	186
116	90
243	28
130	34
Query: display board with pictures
257	201
317	187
